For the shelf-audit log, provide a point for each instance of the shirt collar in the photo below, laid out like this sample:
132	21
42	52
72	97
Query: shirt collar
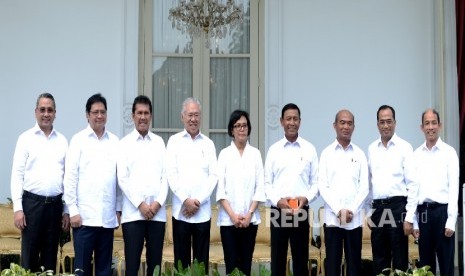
187	135
336	146
393	141
136	136
37	130
90	132
438	146
285	142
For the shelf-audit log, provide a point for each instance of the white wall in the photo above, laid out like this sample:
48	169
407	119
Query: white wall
322	55
71	49
329	55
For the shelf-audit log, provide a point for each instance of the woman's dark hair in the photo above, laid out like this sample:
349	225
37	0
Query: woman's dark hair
235	116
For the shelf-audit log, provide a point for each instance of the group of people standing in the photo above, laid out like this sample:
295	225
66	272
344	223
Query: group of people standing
408	193
99	182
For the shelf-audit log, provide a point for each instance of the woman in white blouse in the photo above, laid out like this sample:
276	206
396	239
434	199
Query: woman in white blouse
240	189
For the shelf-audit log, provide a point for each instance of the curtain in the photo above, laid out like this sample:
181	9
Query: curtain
460	28
460	17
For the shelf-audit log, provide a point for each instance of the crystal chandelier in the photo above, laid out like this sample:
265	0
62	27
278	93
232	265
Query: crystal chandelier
211	17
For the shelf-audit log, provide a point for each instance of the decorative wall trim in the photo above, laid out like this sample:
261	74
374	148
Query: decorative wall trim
130	40
273	70
451	123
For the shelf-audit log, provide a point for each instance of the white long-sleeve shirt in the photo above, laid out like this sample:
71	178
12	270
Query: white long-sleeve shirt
240	181
438	174
291	170
141	175
38	165
191	168
343	183
391	173
90	178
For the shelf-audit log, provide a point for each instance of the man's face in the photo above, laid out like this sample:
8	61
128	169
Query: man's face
191	118
431	127
45	114
97	116
291	124
344	126
142	117
386	124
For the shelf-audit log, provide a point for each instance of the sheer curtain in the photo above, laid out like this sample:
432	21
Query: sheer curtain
172	68
229	77
174	64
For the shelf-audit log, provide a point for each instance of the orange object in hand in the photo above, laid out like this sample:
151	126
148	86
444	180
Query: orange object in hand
294	203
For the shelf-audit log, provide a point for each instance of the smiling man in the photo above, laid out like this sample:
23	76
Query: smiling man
37	188
393	194
343	185
437	166
192	176
141	177
91	190
291	168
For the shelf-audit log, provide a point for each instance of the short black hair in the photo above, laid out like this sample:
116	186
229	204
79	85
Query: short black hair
96	98
383	107
235	116
142	99
290	106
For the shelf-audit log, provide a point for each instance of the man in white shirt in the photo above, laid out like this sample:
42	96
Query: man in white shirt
438	172
142	179
37	188
91	190
291	168
192	176
343	185
393	194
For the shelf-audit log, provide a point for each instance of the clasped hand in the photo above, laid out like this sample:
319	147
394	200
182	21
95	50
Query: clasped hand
149	211
190	207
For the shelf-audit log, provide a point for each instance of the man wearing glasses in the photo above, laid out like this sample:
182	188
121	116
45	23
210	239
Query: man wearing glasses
91	190
37	188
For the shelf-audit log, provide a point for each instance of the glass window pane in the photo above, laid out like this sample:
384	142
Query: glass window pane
221	141
165	135
172	83
167	39
229	89
237	40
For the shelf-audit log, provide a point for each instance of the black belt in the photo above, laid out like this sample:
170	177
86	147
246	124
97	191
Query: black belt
389	200
44	199
431	205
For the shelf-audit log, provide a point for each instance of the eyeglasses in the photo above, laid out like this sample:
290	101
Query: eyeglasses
241	127
97	112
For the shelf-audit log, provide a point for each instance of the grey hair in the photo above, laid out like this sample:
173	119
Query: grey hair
188	101
46	96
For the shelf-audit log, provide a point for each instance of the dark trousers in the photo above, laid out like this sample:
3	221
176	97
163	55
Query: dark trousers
293	229
238	247
186	234
135	233
433	243
337	239
39	239
97	241
388	242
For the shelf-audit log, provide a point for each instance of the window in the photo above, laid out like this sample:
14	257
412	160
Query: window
223	76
